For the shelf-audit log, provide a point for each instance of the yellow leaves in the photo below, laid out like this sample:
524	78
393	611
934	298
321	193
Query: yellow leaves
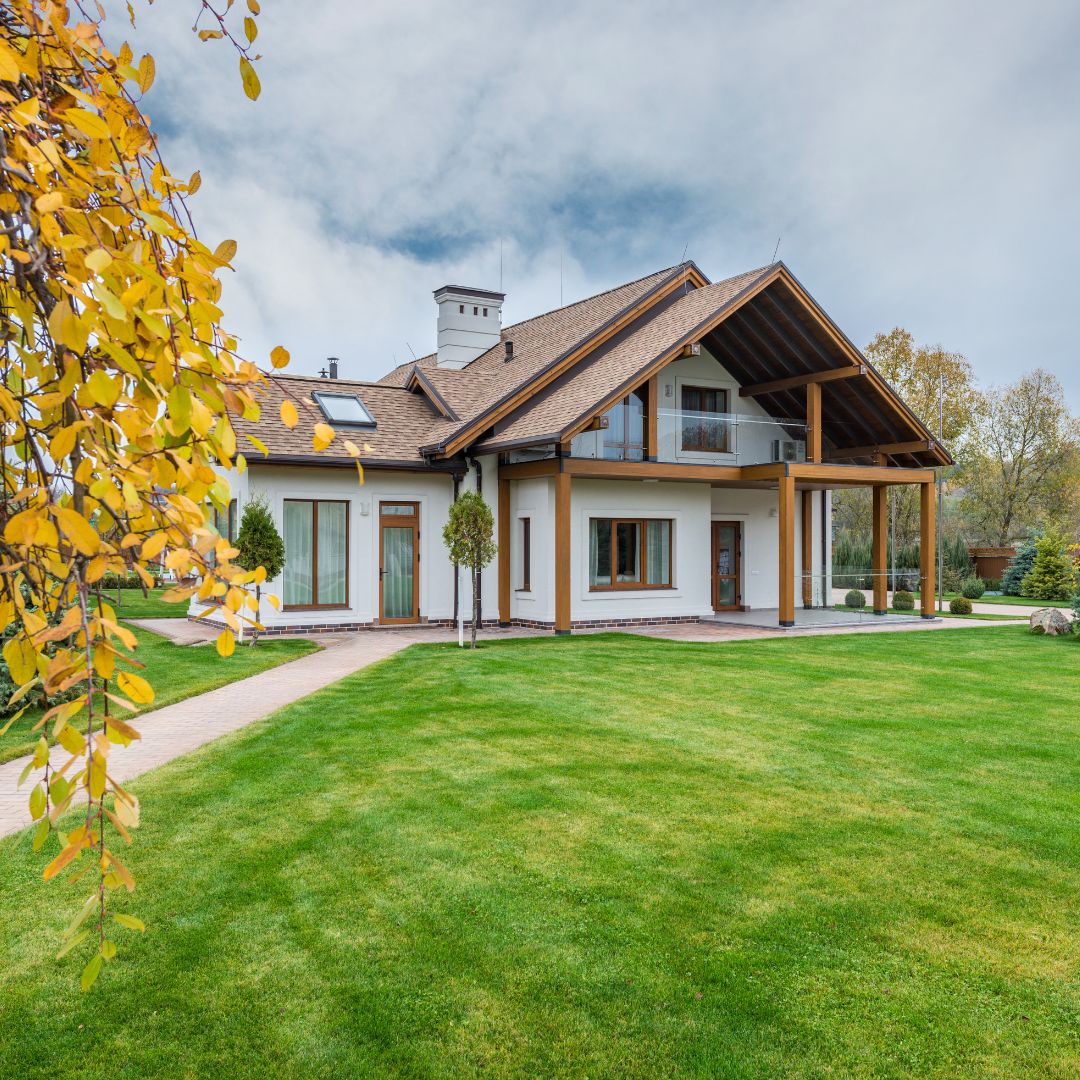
226	643
91	972
98	260
87	122
71	739
250	80
253	6
279	356
146	73
323	436
225	251
49	203
153	545
70	851
251	31
103	389
38	801
289	416
78	530
21	659
195	182
136	687
9	63
130	922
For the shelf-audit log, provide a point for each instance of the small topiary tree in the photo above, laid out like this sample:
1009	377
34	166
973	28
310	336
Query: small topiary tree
903	600
469	539
259	544
972	588
960	605
855	599
1020	564
1051	576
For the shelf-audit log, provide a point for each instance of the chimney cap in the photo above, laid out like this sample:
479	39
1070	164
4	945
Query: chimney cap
465	290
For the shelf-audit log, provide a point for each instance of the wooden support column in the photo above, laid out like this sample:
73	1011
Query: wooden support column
652	410
879	548
927	548
808	549
813	422
504	552
562	553
786	493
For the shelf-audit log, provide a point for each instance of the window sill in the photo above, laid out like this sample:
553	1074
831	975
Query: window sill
630	587
314	607
523	590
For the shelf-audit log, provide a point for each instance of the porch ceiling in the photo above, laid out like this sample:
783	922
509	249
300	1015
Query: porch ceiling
775	336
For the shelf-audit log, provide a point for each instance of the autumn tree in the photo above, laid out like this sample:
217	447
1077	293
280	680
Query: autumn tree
938	386
118	383
468	536
1021	465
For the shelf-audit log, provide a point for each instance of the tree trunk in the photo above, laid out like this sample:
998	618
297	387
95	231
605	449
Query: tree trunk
475	606
258	612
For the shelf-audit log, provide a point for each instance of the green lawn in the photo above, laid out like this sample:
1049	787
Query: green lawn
133	605
175	672
1012	601
599	856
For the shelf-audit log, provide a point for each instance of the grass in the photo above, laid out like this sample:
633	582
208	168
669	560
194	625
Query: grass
598	856
175	672
1013	601
133	605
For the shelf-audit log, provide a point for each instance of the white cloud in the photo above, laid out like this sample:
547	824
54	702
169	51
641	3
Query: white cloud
917	158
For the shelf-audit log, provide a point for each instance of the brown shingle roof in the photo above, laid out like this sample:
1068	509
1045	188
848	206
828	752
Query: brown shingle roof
579	391
404	421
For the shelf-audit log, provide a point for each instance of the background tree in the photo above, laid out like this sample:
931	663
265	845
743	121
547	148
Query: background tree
469	539
921	374
260	549
1052	575
1021	465
117	382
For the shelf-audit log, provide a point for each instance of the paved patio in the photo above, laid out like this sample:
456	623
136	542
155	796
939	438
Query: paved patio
178	729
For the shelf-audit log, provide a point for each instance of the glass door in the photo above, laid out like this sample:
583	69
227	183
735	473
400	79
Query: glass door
726	565
399	562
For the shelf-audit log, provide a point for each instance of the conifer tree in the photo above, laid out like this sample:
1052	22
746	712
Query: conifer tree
1052	576
260	545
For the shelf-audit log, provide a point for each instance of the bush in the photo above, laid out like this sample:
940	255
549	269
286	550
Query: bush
973	588
855	599
110	582
1020	564
903	600
1051	576
961	605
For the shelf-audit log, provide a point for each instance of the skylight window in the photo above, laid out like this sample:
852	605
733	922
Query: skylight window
344	409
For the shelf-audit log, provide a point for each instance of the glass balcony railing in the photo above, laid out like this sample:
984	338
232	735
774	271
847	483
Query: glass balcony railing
695	438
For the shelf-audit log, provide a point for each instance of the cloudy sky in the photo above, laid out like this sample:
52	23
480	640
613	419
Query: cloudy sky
917	161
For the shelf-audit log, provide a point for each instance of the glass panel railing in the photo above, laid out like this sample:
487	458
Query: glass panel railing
700	438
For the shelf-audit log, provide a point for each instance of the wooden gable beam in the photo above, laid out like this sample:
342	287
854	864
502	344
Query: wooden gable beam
916	446
801	380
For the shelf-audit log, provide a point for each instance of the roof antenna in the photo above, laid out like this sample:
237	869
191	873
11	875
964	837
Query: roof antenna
776	249
684	247
410	348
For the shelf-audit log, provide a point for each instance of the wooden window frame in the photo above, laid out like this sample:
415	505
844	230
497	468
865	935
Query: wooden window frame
626	445
526	555
315	555
624	586
697	449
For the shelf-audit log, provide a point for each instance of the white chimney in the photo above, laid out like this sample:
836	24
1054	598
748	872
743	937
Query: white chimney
469	323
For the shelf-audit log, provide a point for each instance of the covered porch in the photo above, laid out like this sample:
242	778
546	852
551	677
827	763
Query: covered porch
803	590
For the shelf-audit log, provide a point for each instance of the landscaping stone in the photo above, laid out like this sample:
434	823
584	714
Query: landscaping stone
1050	620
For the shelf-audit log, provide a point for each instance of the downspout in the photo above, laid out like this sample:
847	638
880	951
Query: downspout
826	596
475	463
457	576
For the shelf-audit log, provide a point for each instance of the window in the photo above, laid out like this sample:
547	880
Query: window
476	311
343	409
485	313
461	309
629	554
705	425
526	555
225	522
624	437
316	553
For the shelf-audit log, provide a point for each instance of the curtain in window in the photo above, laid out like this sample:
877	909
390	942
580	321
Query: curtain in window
299	518
331	558
658	552
397	582
600	551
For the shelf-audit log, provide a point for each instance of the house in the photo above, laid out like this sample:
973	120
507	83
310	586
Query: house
664	451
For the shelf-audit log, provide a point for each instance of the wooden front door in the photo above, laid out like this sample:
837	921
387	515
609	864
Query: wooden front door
399	562
726	565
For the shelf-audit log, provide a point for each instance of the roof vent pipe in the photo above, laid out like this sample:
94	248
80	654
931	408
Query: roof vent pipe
333	362
508	345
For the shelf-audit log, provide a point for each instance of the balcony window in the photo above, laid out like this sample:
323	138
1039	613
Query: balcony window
705	426
624	437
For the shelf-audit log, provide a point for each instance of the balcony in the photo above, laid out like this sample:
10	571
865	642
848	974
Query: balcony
690	437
